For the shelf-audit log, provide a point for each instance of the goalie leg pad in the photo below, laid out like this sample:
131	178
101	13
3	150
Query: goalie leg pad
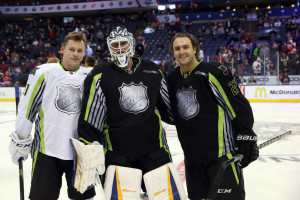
164	183
88	160
122	183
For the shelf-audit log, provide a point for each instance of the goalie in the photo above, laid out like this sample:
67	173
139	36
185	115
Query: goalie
123	104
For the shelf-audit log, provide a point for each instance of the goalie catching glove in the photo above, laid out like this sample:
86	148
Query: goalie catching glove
246	144
88	163
19	148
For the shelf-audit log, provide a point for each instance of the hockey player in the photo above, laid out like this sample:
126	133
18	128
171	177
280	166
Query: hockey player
213	120
123	104
52	99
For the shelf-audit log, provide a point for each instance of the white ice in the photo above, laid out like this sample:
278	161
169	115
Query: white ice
274	176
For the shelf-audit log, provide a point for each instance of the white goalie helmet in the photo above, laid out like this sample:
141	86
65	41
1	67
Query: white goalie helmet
121	46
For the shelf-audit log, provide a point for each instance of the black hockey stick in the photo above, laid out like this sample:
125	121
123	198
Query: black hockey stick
213	192
21	178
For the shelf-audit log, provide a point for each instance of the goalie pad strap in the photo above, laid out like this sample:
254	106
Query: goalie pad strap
122	183
164	183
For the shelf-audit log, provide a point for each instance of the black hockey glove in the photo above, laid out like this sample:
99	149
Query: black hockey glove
246	144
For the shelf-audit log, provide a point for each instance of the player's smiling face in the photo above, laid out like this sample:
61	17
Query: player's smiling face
183	50
73	53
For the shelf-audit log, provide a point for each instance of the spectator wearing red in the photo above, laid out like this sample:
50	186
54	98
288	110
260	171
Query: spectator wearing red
32	64
51	34
7	79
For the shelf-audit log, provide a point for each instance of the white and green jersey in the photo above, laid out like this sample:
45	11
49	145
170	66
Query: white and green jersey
51	99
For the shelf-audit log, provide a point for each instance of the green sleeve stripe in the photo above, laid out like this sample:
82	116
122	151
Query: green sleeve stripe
107	137
92	91
34	161
35	89
160	129
84	141
220	130
42	133
216	82
229	156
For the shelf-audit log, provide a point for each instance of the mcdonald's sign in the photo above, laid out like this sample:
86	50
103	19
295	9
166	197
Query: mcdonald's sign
261	91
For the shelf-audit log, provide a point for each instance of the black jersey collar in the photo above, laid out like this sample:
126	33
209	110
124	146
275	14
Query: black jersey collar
191	70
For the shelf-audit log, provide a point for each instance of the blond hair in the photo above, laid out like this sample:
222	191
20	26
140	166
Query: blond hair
53	60
74	36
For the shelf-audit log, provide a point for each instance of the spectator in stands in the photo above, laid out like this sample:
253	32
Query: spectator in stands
291	47
201	54
90	61
7	79
246	69
265	51
139	49
1	79
277	23
257	66
260	23
257	51
32	64
284	58
201	41
266	23
269	67
252	80
285	80
236	76
4	67
219	58
88	51
160	45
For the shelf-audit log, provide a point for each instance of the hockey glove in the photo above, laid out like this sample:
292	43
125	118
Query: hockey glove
246	144
88	162
19	148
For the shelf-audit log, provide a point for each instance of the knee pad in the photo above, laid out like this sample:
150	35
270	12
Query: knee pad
122	183
164	183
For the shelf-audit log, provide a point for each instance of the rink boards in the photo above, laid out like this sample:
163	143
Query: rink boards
254	93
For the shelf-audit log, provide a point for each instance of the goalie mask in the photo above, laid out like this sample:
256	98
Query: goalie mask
121	46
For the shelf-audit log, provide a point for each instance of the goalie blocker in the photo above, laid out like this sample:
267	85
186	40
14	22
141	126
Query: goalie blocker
162	183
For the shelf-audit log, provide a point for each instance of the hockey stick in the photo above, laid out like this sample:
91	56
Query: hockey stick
21	178
212	194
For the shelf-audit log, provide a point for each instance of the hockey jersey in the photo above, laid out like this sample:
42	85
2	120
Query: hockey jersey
123	109
209	110
51	99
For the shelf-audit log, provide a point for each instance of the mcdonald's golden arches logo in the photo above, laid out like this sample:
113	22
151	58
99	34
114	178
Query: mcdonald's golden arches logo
261	91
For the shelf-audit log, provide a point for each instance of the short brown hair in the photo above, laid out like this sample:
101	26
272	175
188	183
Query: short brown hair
90	61
74	36
193	40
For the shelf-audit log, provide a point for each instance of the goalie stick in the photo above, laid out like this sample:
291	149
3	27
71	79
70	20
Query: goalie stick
212	194
21	179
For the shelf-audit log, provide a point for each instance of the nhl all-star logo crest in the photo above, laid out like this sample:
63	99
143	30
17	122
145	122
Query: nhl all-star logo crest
187	104
133	97
68	98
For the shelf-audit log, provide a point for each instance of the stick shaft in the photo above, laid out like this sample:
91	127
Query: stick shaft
21	179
